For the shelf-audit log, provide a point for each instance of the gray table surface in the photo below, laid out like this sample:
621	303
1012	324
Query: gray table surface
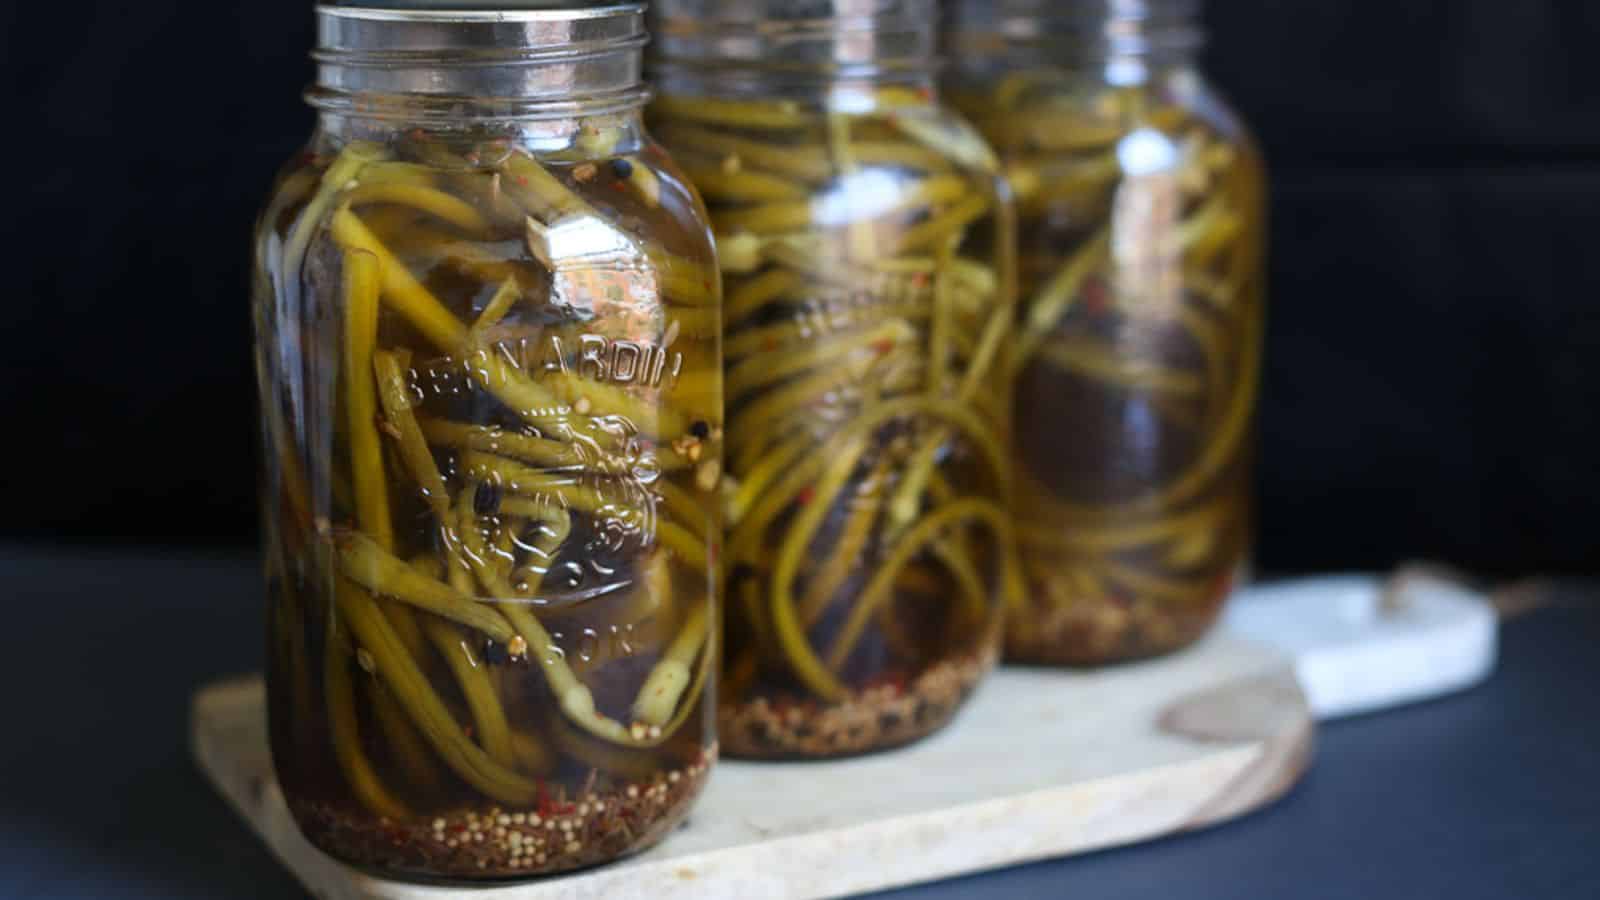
1494	793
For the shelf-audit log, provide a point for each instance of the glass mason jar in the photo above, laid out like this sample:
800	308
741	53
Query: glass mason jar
1140	197
486	311
865	243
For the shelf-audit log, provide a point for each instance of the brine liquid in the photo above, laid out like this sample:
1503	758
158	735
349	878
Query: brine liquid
1136	373
868	288
563	506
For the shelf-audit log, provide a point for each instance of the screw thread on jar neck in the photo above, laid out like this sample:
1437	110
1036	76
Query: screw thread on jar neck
1128	33
753	46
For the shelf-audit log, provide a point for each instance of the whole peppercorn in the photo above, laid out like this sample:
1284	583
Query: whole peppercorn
486	502
494	653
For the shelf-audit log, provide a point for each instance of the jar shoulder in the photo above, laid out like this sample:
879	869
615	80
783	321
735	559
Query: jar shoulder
607	195
818	163
1058	110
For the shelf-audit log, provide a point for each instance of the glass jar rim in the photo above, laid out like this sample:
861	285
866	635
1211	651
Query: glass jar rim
1118	27
840	36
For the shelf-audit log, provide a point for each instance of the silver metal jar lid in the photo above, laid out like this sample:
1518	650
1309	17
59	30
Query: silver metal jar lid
532	52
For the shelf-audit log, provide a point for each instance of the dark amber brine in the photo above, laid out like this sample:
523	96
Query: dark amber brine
1136	358
487	345
864	239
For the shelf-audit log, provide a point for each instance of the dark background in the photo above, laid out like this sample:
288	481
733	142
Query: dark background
1431	387
1432	391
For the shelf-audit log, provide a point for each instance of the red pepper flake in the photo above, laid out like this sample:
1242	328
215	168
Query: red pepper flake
806	495
1096	299
712	551
1222	584
919	279
520	179
925	93
883	345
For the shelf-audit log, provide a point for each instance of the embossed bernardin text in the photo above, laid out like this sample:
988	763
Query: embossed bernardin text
591	356
621	362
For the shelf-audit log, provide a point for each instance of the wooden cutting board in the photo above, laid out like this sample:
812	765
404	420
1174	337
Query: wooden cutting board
1040	764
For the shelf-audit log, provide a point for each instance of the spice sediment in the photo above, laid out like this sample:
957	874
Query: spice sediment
492	841
872	718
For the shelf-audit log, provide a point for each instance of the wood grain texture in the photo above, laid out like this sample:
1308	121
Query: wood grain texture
1041	764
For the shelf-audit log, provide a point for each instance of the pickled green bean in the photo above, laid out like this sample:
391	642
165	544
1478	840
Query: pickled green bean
399	671
670	677
361	396
737	113
395	396
716	183
860	326
404	741
1148	312
914	540
430	200
344	732
351	160
573	696
847	551
507	295
804	163
364	562
503	488
488	717
557	456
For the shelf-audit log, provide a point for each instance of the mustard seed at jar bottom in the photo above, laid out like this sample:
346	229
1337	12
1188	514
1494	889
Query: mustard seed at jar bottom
865	242
1137	354
486	319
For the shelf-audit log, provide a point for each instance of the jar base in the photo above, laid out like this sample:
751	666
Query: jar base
474	846
867	721
1080	641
